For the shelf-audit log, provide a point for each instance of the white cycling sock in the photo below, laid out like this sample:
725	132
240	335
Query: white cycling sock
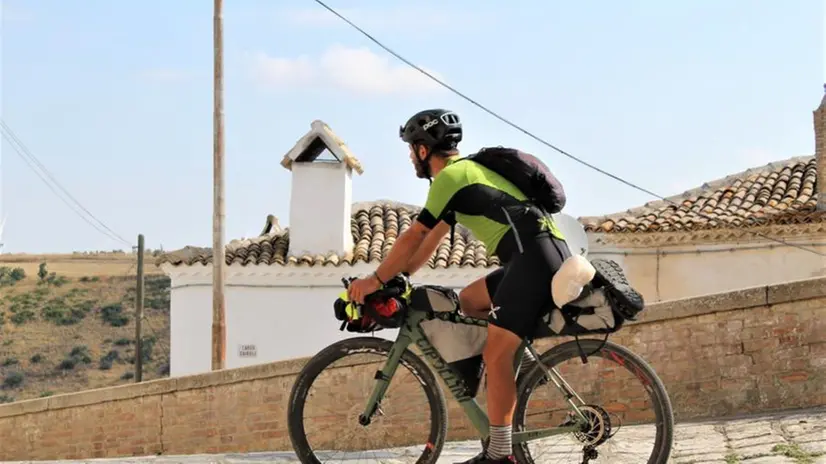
501	443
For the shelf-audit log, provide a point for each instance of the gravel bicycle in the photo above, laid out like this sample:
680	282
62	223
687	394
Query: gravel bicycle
374	428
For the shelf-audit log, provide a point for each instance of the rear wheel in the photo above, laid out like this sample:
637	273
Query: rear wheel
330	393
629	412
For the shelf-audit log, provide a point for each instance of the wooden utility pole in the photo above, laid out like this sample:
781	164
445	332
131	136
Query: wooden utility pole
139	315
218	260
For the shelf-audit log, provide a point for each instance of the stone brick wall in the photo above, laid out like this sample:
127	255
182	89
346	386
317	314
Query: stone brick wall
752	350
819	117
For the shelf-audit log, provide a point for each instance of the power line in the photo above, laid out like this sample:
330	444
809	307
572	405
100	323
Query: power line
541	140
46	171
29	158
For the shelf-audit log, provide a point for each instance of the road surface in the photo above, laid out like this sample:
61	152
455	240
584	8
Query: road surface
793	438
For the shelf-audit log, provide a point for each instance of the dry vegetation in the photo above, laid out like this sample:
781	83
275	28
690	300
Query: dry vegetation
71	326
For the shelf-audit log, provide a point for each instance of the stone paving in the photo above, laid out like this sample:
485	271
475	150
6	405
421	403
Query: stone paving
795	437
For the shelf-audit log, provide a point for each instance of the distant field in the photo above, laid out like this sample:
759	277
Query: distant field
79	265
74	328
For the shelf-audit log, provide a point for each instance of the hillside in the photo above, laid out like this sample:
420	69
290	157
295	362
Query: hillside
71	327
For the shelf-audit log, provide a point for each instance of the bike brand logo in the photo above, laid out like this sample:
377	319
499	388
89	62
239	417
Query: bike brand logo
456	386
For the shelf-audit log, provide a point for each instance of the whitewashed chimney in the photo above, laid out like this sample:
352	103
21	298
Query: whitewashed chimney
820	152
321	193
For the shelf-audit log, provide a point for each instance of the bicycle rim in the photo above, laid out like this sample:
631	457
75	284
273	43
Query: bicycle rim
629	412
389	437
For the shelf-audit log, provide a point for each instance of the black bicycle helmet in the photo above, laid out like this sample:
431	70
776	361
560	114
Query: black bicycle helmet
437	129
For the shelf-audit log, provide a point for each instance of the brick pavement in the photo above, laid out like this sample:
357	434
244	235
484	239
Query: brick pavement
797	437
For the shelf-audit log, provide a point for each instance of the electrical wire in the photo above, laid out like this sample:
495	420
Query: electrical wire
28	157
541	140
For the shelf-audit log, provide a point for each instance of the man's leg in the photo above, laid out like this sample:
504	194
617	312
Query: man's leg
475	299
499	352
524	291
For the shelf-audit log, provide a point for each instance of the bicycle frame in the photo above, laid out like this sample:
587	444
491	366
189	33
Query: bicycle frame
412	333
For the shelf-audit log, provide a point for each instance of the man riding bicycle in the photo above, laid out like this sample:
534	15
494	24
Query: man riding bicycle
523	236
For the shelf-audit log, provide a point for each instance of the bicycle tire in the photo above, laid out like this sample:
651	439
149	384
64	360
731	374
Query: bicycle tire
569	350
305	378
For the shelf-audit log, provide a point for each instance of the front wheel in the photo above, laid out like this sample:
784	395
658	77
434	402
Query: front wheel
410	424
627	407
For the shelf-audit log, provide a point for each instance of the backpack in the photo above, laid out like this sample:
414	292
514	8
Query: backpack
530	175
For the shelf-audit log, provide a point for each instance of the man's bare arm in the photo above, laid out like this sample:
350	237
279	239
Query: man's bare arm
428	247
402	251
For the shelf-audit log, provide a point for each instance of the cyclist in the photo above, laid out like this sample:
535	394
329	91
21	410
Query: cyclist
524	238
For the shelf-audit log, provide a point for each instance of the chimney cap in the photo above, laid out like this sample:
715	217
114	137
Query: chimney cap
307	149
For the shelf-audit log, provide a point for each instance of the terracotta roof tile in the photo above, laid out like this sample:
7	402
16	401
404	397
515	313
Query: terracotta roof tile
780	193
375	227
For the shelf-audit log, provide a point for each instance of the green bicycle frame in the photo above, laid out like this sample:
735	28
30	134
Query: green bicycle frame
412	333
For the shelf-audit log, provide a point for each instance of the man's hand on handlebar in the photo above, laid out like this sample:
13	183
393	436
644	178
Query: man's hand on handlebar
360	288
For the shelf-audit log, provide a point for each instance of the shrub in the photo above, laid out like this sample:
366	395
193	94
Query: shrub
147	344
13	380
56	280
10	362
127	375
9	276
6	399
112	314
17	274
67	364
123	342
21	317
107	360
22	307
80	354
61	312
36	358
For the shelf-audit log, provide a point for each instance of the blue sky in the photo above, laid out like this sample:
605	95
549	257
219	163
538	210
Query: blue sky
115	98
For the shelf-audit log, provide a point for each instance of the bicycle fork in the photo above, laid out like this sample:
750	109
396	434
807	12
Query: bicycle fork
383	377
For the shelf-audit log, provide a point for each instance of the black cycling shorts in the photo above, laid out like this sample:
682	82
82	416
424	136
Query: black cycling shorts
521	290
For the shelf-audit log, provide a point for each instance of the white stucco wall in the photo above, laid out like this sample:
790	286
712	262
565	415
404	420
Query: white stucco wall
284	312
675	272
320	208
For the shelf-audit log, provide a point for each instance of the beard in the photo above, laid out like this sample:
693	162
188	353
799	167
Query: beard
419	171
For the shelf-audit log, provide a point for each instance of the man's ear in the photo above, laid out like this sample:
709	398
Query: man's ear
422	152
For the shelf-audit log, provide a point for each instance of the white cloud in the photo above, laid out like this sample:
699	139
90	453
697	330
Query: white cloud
356	70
